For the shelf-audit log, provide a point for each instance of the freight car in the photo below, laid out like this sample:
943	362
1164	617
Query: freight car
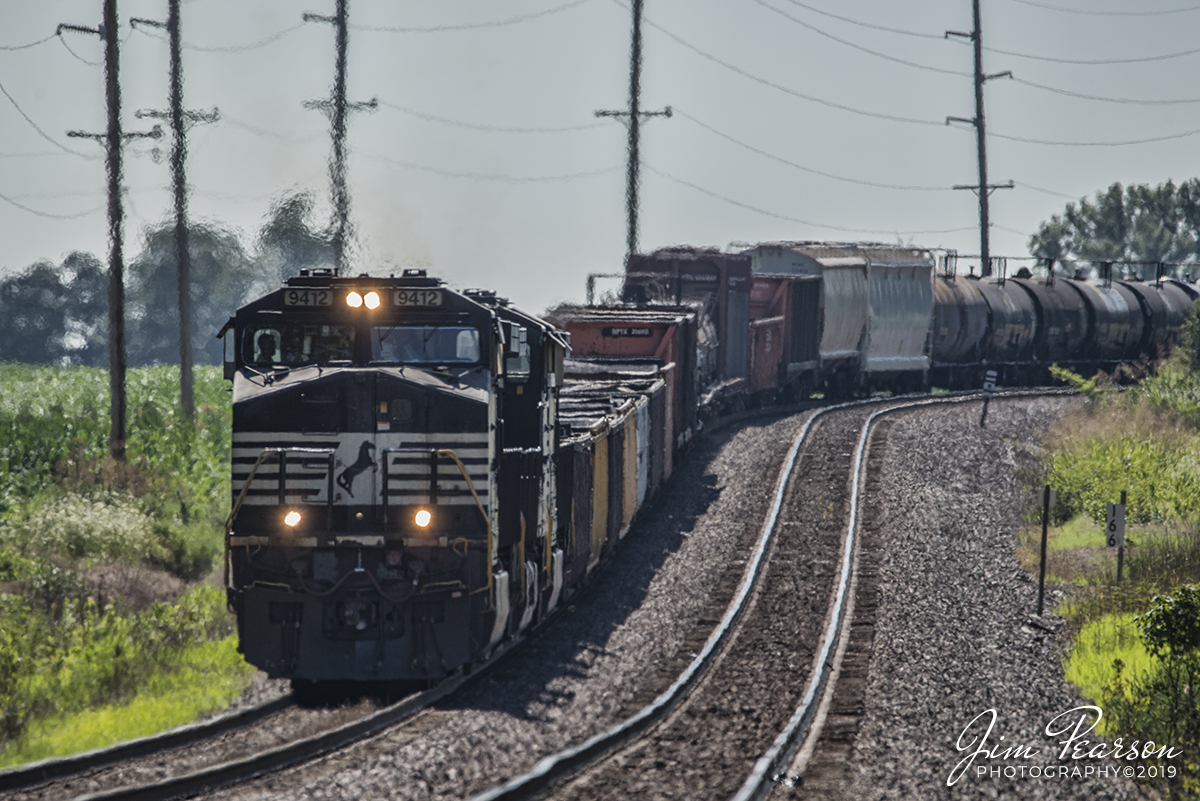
847	319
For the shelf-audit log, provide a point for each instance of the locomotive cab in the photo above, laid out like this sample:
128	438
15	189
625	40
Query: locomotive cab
368	537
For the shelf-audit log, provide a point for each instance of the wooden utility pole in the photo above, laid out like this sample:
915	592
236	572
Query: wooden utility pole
183	259
114	140
634	115
983	189
116	235
337	107
183	266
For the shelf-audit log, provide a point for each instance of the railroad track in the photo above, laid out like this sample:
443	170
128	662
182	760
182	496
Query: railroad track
107	768
71	768
689	742
777	556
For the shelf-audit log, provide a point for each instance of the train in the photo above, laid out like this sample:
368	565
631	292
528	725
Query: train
421	474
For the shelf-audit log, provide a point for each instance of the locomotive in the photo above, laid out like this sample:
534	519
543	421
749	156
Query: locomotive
392	474
420	473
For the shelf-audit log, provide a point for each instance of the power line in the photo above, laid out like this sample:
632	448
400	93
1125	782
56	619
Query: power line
1095	61
1151	140
497	177
50	215
264	133
780	87
1129	100
275	37
76	55
42	133
1097	12
1025	185
489	128
917	34
1010	230
733	202
28	155
803	168
859	47
29	45
1064	92
472	25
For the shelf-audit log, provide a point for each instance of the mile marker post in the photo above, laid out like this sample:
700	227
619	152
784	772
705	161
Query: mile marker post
1115	531
1047	501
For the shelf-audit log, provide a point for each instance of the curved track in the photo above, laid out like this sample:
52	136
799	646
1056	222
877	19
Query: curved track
690	745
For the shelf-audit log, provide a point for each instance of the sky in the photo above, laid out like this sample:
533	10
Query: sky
484	163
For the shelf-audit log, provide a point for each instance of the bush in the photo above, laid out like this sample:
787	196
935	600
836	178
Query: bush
88	657
93	552
110	526
1119	446
1161	704
54	433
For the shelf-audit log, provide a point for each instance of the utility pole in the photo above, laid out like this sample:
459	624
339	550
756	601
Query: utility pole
634	115
177	116
114	140
337	107
983	189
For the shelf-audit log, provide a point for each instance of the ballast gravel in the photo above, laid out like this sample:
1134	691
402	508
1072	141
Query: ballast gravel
957	632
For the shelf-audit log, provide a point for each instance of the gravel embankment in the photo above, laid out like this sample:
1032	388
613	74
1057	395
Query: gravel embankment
957	632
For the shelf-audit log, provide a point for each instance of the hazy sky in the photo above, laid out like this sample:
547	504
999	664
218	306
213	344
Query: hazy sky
484	161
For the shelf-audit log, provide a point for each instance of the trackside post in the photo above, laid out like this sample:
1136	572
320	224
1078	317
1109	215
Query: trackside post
1114	529
989	387
1047	502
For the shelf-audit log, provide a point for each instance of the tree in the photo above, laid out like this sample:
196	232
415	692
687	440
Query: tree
222	277
86	325
289	241
32	315
1131	224
56	315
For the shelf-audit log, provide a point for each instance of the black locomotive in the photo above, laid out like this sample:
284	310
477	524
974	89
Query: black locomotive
392	474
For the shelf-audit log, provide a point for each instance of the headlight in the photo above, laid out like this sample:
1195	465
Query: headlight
292	518
422	518
371	300
354	300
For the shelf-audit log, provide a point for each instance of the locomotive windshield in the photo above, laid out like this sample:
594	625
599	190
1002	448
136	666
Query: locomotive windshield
425	344
295	344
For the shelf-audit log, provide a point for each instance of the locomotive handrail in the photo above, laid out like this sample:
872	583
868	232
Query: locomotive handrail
331	453
449	454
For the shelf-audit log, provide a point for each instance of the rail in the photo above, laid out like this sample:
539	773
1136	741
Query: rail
766	771
561	764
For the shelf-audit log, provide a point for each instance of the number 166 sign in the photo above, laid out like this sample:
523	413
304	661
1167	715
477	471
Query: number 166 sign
1115	525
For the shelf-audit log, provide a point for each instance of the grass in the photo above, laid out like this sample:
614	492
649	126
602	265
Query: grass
207	677
1100	642
107	629
1075	551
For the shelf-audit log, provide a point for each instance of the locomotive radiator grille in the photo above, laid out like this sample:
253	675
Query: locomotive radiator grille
359	468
